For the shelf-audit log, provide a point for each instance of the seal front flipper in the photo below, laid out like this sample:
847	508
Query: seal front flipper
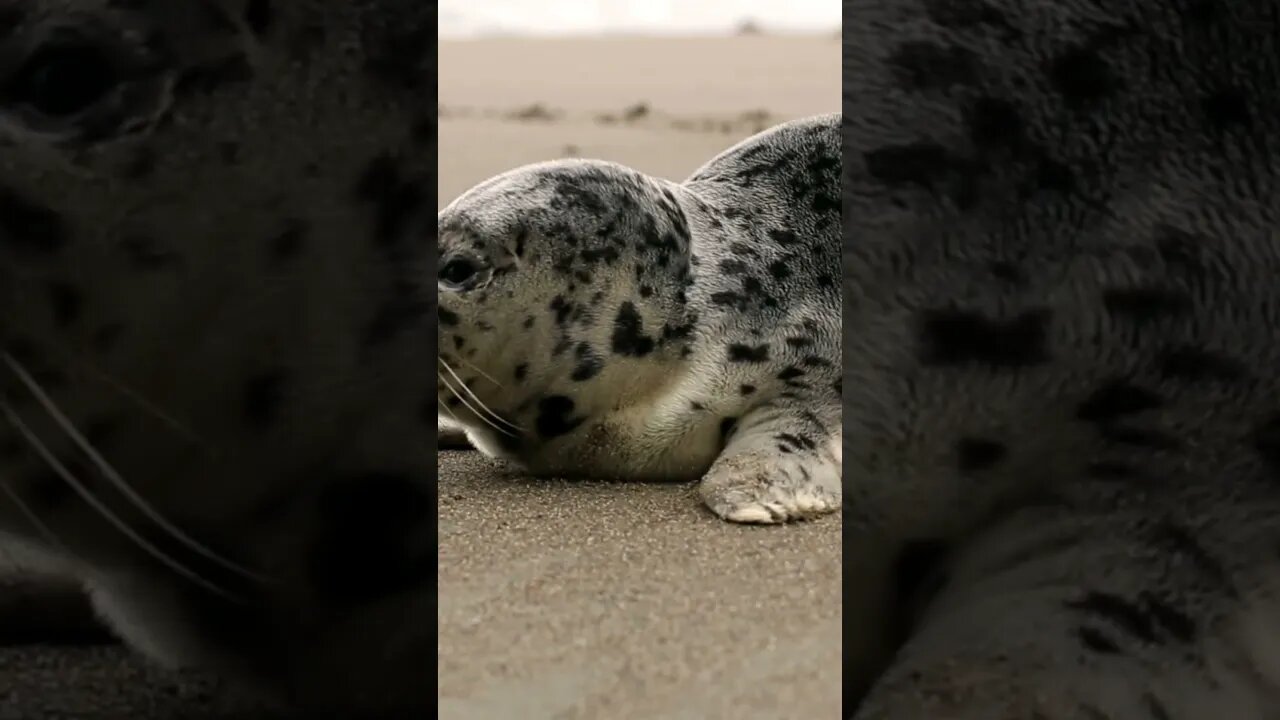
449	437
781	463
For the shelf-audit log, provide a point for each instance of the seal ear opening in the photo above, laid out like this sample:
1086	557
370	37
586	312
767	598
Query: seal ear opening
462	272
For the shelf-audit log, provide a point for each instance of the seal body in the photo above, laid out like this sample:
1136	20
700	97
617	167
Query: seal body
595	321
1062	404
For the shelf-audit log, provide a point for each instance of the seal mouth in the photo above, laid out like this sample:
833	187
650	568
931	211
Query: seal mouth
450	385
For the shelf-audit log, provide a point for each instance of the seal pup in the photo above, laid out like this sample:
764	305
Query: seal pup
1063	398
596	321
213	327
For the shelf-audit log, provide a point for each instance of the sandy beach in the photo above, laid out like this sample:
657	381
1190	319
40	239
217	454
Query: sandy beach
622	601
661	105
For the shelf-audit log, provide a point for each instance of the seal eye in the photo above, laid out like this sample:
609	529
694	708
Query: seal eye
62	80
460	273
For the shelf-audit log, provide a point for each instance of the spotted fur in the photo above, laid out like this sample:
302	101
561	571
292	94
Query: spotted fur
212	265
620	325
1060	261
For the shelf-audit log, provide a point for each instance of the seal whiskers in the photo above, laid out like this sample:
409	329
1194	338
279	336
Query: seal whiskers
475	404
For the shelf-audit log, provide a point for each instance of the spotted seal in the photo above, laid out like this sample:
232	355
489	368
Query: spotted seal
597	321
1062	405
213	267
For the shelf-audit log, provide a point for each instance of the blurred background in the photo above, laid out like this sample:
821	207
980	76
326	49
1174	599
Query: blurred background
621	600
659	84
467	18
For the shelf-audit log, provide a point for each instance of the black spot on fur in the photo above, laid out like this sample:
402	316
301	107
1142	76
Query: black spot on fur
790	442
1193	364
672	332
954	337
736	300
562	308
977	454
1117	399
555	417
1008	272
745	390
740	353
589	363
779	270
790	373
1227	108
1146	305
628	332
1082	77
521	371
1097	642
994	123
1052	176
27	228
784	238
373	538
448	318
263	395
